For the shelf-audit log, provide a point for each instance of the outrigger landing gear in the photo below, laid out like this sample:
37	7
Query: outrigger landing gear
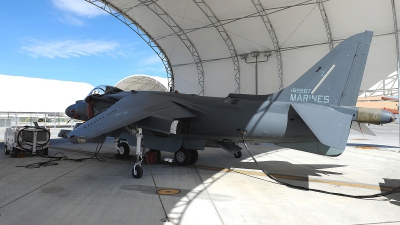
137	170
238	154
123	148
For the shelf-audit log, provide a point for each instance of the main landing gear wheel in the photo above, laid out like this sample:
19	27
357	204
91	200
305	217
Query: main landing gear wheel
194	155
123	149
182	157
137	171
238	154
6	151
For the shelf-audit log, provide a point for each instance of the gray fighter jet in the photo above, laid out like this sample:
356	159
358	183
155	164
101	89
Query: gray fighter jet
314	114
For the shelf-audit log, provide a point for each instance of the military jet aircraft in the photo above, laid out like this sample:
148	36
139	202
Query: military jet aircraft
314	114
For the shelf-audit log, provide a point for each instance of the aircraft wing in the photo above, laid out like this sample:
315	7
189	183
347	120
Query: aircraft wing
153	112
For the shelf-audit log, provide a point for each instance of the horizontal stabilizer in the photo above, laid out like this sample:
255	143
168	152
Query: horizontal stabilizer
328	125
315	147
362	128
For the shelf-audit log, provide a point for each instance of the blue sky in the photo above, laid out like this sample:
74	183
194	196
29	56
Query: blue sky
70	40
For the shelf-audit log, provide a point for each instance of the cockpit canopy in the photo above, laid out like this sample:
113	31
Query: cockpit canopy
104	89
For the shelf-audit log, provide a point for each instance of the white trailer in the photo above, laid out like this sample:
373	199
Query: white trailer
32	139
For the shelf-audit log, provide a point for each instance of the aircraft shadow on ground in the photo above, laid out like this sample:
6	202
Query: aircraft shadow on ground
300	172
387	186
297	174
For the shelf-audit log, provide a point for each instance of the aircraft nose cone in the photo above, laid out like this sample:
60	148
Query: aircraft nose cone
69	111
387	117
77	110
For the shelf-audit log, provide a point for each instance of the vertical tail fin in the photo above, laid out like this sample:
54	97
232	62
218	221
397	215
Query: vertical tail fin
336	78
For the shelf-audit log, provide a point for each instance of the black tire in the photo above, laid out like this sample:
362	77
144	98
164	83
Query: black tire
194	155
238	154
46	151
15	152
182	157
138	173
6	151
123	149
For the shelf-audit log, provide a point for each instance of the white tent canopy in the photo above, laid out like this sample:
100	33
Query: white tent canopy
141	82
385	87
25	94
203	43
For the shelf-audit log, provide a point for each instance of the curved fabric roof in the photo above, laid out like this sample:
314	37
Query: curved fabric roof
141	82
200	41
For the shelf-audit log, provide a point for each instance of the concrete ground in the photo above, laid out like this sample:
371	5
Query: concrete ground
219	189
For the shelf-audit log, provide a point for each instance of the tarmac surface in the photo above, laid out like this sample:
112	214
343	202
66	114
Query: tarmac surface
218	189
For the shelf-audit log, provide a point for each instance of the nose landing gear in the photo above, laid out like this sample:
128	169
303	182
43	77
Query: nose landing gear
137	170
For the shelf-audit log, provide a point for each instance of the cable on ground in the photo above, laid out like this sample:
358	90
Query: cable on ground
52	159
317	190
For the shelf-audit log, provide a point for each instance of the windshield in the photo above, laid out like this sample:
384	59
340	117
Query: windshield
104	89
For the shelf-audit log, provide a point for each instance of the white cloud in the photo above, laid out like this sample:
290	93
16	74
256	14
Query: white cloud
154	59
151	64
68	48
79	7
68	19
150	69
